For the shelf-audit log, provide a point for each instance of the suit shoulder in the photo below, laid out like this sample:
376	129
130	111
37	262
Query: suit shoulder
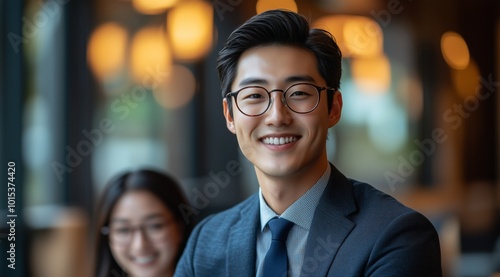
398	234
224	219
210	236
377	204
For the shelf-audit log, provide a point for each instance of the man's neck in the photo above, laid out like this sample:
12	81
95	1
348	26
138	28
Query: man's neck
281	192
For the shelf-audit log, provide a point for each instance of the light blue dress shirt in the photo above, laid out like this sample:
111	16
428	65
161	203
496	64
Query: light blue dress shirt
301	213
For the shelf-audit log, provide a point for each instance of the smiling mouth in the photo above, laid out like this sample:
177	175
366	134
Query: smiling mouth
144	260
279	140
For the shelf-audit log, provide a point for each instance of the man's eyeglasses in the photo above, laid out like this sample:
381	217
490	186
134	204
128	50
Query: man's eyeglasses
121	235
300	98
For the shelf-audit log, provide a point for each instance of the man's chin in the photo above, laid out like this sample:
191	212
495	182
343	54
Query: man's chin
276	171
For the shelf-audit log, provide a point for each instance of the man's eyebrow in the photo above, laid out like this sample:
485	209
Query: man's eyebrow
299	78
288	80
252	81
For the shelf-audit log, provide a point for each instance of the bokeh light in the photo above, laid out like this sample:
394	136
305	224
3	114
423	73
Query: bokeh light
153	6
335	25
466	81
363	37
372	75
150	56
265	5
106	50
178	89
190	29
455	50
357	36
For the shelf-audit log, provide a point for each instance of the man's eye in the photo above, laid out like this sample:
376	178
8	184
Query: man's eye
299	94
254	96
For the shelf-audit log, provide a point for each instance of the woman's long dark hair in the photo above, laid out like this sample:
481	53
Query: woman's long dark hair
166	188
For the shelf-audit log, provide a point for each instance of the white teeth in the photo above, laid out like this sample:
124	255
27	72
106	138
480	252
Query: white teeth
279	141
144	260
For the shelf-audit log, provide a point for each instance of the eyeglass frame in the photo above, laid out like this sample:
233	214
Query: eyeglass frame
319	89
106	231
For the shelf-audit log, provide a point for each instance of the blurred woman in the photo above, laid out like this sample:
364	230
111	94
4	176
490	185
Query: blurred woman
140	229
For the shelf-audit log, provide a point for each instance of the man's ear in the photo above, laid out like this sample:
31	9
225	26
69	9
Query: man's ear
336	110
227	115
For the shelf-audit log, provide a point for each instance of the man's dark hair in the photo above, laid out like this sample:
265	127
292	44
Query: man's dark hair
280	27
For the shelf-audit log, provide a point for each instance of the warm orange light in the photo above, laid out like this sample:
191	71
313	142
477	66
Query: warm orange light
335	25
466	81
190	29
372	75
363	37
152	6
265	5
106	50
357	36
178	89
455	50
150	56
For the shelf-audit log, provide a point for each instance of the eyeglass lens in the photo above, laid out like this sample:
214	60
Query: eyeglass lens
300	98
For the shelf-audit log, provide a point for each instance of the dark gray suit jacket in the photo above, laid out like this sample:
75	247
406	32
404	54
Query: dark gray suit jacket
356	231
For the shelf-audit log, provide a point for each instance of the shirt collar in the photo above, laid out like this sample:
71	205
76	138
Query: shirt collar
301	212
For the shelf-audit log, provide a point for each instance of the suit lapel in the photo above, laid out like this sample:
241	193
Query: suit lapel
330	225
240	254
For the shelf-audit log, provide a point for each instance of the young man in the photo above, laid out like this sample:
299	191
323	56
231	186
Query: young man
280	82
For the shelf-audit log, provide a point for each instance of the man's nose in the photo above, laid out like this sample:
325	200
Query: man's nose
278	113
278	99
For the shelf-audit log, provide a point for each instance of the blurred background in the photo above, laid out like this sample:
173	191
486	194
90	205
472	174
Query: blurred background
90	89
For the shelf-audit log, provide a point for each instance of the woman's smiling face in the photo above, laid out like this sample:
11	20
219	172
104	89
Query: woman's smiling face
154	237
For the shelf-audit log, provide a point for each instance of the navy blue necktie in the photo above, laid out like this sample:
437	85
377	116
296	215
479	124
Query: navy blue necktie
276	261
